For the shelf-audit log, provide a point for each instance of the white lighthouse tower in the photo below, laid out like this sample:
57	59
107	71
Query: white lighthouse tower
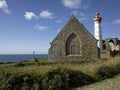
97	28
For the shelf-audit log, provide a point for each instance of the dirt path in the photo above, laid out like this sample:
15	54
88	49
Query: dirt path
109	84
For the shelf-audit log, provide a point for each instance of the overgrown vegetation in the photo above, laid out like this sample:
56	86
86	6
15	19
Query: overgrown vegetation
56	76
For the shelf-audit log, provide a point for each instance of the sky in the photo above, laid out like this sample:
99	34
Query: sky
30	25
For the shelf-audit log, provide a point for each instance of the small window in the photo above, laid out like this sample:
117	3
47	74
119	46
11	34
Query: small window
73	49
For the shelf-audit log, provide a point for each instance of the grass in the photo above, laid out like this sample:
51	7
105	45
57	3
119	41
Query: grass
7	64
67	75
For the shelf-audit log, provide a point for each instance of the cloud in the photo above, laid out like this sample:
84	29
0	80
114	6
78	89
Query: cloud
40	27
73	4
30	15
116	21
4	6
46	14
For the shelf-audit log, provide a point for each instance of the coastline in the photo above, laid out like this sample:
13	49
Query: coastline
19	57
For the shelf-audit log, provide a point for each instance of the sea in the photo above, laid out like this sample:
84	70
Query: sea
19	57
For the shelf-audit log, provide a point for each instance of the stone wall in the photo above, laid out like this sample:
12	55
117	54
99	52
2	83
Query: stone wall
86	44
115	41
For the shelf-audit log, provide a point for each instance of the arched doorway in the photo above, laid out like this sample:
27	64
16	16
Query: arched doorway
73	45
111	45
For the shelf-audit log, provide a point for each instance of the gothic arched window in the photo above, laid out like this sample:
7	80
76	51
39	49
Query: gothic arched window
72	45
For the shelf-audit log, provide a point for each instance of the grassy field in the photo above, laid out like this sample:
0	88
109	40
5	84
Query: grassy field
42	75
7	64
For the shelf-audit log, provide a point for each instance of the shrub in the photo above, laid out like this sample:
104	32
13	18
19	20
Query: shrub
55	76
1	62
56	79
78	78
118	67
107	72
20	82
4	77
64	78
19	64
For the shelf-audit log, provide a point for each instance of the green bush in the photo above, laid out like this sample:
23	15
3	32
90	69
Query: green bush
63	78
55	76
78	78
105	72
4	77
56	79
118	67
21	82
19	64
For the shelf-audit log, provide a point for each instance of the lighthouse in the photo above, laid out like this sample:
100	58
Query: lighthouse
98	32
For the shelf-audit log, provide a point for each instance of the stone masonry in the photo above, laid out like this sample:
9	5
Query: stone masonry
73	42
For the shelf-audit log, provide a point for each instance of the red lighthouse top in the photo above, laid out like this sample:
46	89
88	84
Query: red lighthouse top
97	17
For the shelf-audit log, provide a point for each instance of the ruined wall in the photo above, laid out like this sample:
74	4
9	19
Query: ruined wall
115	41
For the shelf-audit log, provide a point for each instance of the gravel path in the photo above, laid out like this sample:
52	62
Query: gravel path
109	84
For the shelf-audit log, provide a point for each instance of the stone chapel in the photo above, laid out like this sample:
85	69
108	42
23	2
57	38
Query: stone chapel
73	42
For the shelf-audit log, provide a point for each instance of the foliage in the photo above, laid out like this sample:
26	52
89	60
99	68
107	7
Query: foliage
107	71
52	76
